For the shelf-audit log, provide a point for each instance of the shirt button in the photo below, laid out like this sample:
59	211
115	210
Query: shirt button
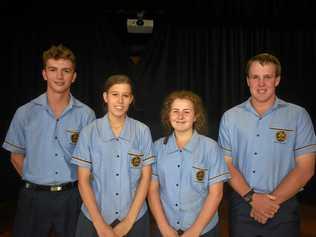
180	150
253	171
116	139
178	166
116	194
178	222
57	120
117	174
116	212
55	137
255	153
56	172
177	185
117	156
258	135
176	204
56	154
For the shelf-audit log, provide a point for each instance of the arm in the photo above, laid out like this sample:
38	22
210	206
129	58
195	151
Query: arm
89	200
17	161
296	179
157	210
126	224
209	208
263	205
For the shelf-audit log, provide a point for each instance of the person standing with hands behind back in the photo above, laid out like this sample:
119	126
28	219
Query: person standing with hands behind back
187	181
114	156
41	139
269	146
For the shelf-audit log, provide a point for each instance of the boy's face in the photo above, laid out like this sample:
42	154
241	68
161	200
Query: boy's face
59	74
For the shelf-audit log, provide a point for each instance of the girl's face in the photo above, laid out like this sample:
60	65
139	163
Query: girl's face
118	99
182	115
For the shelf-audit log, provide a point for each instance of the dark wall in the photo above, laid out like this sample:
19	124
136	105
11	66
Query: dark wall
200	50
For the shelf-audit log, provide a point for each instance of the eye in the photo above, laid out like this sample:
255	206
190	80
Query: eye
67	70
268	77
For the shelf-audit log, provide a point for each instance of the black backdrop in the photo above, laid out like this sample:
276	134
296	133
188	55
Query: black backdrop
194	48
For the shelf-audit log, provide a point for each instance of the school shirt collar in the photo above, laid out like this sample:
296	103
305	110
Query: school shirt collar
43	101
172	145
278	103
105	130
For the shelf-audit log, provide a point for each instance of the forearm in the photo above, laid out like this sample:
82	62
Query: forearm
237	181
17	161
88	198
209	207
156	206
294	181
140	195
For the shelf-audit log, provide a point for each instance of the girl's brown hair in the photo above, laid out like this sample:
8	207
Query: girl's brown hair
201	122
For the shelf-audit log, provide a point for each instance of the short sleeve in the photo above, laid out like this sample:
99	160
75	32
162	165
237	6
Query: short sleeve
305	140
218	171
147	147
15	138
81	155
224	138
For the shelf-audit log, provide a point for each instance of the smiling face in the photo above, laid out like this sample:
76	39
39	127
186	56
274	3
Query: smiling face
59	74
182	115
118	99
262	82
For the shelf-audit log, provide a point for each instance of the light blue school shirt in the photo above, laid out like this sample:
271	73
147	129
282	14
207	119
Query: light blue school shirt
116	164
264	148
47	143
184	177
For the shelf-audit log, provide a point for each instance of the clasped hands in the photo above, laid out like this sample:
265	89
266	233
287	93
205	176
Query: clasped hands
264	207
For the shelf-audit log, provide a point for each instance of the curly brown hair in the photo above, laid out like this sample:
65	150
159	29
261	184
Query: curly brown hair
201	121
59	52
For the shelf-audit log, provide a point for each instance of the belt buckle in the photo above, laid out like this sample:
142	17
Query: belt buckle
55	188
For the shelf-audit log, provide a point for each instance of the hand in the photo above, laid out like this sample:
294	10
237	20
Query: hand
123	227
258	217
191	233
105	230
168	231
264	207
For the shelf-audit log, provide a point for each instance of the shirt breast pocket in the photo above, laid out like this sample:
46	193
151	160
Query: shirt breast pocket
199	177
285	136
135	160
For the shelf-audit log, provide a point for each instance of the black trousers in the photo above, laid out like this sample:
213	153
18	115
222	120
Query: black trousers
39	212
285	223
85	227
212	233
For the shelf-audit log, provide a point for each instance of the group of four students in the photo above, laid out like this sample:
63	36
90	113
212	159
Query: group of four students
55	140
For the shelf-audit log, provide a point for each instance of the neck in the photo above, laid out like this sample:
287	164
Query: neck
262	107
116	123
182	138
58	102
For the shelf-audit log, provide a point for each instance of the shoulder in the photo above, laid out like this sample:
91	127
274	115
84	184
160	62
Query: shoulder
207	143
138	125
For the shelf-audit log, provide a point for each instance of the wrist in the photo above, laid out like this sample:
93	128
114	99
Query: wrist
249	196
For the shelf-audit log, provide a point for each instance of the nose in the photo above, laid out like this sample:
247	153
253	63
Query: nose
120	99
59	74
181	115
262	81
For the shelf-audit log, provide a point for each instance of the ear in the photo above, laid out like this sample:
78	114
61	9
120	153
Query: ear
105	97
74	77
277	81
247	79
44	74
132	99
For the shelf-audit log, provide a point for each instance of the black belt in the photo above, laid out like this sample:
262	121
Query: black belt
50	188
180	232
115	222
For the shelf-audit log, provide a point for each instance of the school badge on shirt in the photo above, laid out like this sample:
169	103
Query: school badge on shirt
135	161
200	174
74	136
281	136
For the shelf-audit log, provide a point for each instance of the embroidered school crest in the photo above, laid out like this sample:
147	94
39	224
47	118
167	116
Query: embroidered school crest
281	136
74	137
200	175
135	161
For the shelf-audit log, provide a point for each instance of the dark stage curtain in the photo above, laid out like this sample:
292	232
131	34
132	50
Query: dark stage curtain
208	58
